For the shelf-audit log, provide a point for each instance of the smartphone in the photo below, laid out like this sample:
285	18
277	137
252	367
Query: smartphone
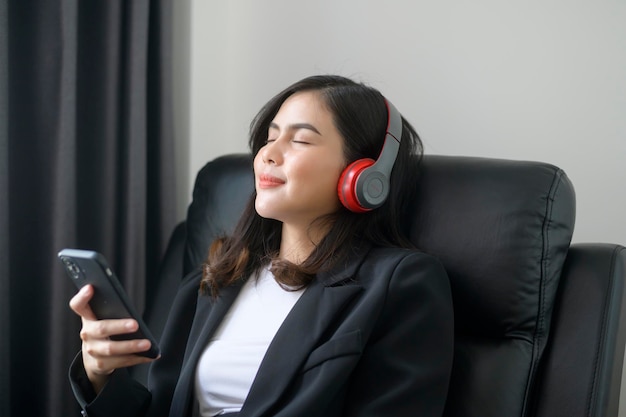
109	300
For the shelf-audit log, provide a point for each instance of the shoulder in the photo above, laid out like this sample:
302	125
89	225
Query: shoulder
190	282
406	273
401	260
401	270
187	291
400	254
406	279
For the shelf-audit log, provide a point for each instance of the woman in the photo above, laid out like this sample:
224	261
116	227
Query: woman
316	305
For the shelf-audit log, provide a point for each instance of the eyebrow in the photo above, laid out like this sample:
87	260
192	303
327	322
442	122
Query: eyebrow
297	126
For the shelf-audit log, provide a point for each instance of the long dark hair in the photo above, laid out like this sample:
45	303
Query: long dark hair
360	115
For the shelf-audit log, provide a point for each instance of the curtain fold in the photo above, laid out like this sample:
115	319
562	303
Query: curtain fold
86	161
5	318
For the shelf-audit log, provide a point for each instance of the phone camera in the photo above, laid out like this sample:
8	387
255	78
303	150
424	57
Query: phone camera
73	269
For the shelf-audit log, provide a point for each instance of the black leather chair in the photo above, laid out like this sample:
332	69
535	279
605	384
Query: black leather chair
539	323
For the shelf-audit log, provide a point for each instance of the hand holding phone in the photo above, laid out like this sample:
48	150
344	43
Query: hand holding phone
109	300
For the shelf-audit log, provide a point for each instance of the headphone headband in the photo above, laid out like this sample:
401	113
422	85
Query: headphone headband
391	145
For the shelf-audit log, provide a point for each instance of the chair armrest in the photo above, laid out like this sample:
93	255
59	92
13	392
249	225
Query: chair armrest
586	346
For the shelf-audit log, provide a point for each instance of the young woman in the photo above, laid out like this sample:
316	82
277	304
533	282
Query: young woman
317	305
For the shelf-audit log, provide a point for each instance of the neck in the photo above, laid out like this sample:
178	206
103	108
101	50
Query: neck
297	243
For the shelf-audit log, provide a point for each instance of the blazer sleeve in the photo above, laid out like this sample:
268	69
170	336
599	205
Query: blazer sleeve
406	364
121	396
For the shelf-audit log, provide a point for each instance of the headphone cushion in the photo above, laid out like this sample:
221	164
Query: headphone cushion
347	186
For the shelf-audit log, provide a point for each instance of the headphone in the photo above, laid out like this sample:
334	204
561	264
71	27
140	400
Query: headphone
364	184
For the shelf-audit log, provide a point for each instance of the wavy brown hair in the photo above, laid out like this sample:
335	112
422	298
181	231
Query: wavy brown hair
360	115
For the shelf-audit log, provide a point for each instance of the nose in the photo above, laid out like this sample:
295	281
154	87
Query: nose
272	153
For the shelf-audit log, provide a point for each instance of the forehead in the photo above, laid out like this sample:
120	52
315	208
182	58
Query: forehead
308	105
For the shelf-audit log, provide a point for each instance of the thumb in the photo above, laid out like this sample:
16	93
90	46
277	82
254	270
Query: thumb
80	303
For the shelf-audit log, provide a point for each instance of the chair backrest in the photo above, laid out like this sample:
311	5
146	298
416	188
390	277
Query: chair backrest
221	191
501	228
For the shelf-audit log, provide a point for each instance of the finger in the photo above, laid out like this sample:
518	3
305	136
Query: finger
104	366
80	302
96	364
102	348
102	329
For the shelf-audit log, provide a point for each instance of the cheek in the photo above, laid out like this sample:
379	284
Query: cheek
257	167
322	177
256	162
333	170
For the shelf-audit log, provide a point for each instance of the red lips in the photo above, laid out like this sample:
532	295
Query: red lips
269	181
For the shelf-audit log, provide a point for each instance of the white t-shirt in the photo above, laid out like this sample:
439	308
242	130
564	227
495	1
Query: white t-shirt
232	358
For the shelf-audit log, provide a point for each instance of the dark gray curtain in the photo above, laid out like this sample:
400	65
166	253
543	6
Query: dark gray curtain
86	160
5	329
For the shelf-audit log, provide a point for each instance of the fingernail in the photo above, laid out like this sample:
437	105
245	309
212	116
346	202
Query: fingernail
144	344
130	325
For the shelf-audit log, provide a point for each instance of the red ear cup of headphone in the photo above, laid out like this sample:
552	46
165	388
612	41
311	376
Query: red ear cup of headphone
346	188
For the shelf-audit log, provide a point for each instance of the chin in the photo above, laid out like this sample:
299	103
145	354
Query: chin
264	211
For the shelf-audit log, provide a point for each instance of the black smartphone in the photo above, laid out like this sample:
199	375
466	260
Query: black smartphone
109	300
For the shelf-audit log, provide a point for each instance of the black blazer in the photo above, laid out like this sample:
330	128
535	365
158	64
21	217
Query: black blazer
372	338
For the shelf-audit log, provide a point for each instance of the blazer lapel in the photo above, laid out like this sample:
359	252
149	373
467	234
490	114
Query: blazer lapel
299	334
209	314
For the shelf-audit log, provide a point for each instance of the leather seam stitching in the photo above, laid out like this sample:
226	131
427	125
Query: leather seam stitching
592	392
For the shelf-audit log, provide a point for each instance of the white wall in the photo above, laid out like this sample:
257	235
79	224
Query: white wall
537	80
541	79
181	57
